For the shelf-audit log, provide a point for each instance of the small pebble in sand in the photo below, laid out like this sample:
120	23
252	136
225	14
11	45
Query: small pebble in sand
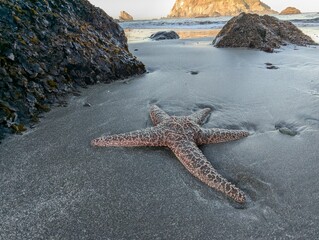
271	66
287	131
87	105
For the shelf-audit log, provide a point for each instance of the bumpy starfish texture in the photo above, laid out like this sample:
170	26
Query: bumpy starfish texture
182	134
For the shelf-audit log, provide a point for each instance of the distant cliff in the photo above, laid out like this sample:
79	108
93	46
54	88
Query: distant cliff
206	8
48	48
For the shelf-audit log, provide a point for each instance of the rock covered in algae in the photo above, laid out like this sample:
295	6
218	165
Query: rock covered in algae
48	48
260	32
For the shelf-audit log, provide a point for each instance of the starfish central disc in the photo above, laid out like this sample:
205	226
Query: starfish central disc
183	135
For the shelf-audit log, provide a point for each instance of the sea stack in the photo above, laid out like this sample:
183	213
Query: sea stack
124	16
290	11
260	32
48	49
212	8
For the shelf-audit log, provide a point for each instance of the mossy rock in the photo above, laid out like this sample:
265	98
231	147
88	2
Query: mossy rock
35	119
52	84
47	34
18	9
7	109
34	12
34	40
18	128
17	19
42	107
21	40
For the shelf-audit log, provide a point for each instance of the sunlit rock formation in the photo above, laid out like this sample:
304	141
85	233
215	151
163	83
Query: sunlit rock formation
124	16
198	8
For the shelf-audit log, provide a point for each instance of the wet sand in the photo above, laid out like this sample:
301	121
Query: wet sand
55	185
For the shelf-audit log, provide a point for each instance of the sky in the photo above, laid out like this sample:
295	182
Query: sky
149	9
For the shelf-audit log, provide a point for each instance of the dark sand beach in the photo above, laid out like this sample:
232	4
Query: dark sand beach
54	185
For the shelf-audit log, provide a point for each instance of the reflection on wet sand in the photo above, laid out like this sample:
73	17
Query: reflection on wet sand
197	33
136	35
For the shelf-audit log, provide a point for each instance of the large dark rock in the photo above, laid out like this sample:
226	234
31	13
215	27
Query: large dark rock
164	35
49	48
260	32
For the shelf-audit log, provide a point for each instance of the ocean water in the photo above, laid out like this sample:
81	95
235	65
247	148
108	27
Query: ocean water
139	29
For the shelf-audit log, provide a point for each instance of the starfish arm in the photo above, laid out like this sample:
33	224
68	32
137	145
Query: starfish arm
157	115
197	164
200	116
218	135
146	137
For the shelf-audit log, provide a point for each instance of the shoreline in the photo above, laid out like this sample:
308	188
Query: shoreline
140	35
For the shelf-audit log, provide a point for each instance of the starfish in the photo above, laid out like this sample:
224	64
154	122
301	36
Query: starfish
183	134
